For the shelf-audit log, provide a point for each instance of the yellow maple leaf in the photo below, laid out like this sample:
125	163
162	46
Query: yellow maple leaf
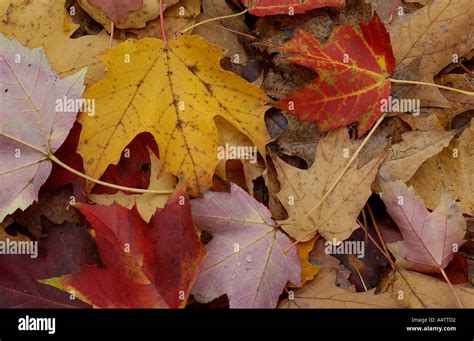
173	92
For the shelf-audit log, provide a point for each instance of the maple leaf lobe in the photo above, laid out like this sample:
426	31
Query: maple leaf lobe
353	76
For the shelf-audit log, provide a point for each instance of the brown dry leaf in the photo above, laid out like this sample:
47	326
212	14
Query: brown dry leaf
146	203
427	120
441	118
300	139
301	190
177	18
453	168
323	293
220	36
48	31
405	157
414	290
420	53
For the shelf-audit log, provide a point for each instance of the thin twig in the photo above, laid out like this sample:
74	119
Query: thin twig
469	72
251	37
377	230
213	19
386	255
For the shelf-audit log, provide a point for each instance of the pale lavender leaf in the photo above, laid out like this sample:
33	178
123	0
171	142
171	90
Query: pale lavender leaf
247	258
30	125
429	238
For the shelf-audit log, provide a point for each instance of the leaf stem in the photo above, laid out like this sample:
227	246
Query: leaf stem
111	41
392	12
385	254
458	300
162	23
106	184
402	81
379	235
251	37
369	135
213	19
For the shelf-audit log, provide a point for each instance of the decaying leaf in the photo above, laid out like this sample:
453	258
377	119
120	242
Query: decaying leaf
173	93
247	257
53	205
429	238
353	76
301	190
30	126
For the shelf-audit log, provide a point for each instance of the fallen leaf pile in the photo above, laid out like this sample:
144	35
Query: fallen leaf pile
241	154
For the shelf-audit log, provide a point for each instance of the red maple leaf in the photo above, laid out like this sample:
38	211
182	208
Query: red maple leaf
143	265
272	7
353	71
